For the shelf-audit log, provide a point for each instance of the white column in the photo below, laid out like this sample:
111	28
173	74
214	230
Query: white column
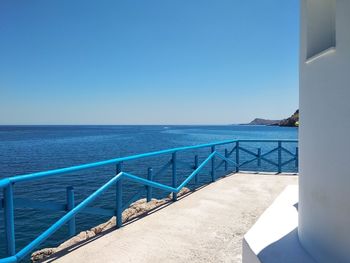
324	199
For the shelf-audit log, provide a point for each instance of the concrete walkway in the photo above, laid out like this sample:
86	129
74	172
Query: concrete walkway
205	226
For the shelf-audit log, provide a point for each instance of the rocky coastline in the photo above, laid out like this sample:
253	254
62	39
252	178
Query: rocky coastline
292	121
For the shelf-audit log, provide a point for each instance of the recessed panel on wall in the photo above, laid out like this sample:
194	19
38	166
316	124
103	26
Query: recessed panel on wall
321	28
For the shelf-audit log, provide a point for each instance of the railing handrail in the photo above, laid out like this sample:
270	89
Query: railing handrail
268	140
34	176
7	185
69	215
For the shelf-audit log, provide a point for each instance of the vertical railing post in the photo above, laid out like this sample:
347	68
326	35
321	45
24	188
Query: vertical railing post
213	165
119	195
226	163
9	220
297	157
196	162
279	156
70	206
174	179
149	188
259	157
237	156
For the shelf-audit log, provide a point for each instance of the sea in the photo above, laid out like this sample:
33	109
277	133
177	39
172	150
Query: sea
28	149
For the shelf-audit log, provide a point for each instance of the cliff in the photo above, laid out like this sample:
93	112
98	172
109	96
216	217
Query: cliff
292	121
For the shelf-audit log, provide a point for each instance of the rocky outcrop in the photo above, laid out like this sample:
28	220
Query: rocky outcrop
292	121
259	121
135	210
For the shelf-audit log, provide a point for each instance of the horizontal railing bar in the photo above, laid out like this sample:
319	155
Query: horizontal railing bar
64	219
268	140
84	207
35	176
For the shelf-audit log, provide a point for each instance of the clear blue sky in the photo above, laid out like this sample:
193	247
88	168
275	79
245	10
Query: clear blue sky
147	62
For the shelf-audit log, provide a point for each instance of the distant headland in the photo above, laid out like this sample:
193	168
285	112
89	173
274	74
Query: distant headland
292	121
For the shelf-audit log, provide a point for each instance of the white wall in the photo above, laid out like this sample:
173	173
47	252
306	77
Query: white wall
324	199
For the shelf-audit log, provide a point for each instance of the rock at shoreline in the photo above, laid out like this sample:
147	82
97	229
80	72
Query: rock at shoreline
136	209
292	121
259	121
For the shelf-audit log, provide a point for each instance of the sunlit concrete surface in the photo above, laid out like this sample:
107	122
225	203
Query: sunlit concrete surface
205	226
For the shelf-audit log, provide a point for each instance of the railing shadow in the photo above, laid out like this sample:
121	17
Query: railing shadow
168	202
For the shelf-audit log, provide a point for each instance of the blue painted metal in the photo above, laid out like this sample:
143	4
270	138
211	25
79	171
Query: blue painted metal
174	175
287	151
196	162
9	220
195	172
232	151
118	198
259	157
268	140
153	184
279	157
237	156
64	219
70	206
213	176
84	207
269	161
288	161
248	151
296	156
119	204
36	176
226	159
149	188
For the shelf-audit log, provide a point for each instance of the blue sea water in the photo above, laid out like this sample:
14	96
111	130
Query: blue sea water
27	149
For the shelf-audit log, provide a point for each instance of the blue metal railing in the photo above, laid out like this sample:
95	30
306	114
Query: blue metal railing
230	157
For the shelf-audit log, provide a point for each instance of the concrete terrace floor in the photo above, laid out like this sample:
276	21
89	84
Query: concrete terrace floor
205	226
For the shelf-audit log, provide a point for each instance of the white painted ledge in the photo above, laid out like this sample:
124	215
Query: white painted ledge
274	237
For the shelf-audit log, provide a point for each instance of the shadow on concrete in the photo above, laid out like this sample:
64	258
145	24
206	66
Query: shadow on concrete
287	250
169	202
77	245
